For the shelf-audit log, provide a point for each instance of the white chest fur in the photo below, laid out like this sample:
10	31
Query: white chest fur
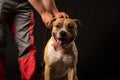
60	56
60	60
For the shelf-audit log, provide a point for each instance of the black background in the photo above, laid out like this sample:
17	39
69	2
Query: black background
97	42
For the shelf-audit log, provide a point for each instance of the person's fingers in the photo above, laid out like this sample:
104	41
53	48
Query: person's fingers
48	24
62	15
67	16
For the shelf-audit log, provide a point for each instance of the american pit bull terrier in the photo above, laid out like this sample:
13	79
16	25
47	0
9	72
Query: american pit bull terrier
60	54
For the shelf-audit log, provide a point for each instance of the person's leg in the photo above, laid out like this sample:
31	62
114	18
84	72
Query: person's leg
24	24
4	11
2	59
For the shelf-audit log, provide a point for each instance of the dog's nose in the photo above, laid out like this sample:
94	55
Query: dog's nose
62	33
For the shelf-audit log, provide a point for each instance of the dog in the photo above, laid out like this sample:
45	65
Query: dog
60	53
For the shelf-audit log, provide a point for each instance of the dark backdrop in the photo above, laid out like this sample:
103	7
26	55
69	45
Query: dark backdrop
97	42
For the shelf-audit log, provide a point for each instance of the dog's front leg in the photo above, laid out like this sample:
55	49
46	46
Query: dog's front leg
47	72
72	74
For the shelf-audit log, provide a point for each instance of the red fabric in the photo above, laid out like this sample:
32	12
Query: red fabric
28	64
2	71
11	23
28	68
13	29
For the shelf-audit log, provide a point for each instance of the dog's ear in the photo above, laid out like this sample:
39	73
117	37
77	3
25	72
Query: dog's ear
78	22
50	24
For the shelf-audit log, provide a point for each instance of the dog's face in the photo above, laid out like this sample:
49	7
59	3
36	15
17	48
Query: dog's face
65	29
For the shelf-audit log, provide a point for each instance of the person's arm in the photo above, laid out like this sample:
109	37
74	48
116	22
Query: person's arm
38	5
47	9
52	8
45	15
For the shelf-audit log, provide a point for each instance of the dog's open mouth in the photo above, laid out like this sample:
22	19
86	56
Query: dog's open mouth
60	43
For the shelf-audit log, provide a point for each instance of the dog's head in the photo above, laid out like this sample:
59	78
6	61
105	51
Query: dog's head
64	30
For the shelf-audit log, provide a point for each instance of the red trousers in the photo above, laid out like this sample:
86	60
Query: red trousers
18	15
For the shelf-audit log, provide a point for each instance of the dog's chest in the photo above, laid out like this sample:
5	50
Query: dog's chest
60	63
56	58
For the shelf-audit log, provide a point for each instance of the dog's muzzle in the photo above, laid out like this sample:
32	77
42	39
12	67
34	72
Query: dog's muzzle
61	41
62	33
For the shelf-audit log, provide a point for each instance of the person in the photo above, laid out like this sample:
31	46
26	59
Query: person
18	15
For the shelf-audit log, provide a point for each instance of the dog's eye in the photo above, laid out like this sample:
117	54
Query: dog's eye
70	27
57	26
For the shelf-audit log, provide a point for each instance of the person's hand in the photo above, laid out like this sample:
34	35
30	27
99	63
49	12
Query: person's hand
61	15
46	18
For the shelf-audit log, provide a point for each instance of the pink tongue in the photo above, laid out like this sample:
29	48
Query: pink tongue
58	45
